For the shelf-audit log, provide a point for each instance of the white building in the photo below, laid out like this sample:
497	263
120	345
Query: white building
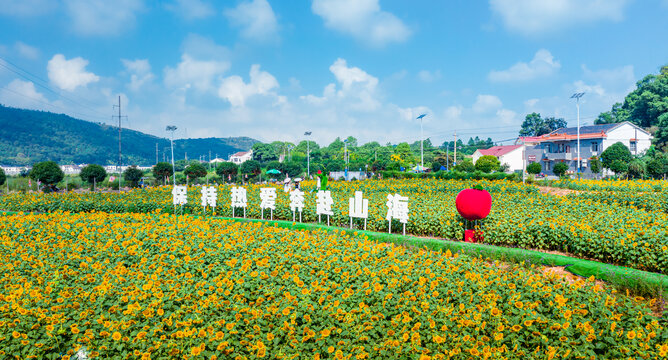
241	157
14	170
509	154
70	169
217	160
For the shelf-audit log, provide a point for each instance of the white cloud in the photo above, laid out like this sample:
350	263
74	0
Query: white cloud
429	76
236	91
191	72
255	18
26	51
542	65
531	17
485	103
102	17
453	113
506	116
26	8
69	74
191	9
201	47
22	94
531	103
363	19
140	72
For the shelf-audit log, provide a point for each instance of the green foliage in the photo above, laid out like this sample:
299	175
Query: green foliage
47	172
658	167
195	171
465	166
227	170
616	152
132	175
293	168
250	167
264	153
534	168
535	125
618	166
93	173
595	165
560	169
3	177
275	165
636	169
162	170
661	139
487	164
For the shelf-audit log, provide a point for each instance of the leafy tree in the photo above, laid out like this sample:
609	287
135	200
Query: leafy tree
658	167
436	166
560	169
293	168
93	173
403	151
195	171
132	175
614	152
162	170
618	166
613	116
276	166
535	125
47	172
534	168
595	165
264	153
465	166
3	177
250	167
227	169
636	169
487	164
661	139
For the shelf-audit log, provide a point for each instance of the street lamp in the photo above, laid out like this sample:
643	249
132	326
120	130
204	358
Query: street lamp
172	129
577	97
345	156
421	141
308	157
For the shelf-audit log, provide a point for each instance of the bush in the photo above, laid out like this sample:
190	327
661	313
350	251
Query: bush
3	177
92	174
534	168
616	152
250	167
618	166
47	172
132	175
227	170
657	167
636	169
560	169
465	166
487	164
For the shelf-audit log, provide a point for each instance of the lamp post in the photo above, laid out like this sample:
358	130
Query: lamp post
308	157
172	129
421	141
345	156
577	97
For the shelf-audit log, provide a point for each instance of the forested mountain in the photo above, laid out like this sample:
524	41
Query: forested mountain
29	136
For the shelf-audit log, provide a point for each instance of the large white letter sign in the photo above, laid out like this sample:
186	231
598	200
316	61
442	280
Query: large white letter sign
323	204
180	195
238	199
358	208
297	203
397	208
268	200
209	196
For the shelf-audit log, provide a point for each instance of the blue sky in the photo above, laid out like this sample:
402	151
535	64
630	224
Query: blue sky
273	69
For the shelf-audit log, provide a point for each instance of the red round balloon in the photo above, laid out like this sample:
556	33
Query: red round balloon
474	204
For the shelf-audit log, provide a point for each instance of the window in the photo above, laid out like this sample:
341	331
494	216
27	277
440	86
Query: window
633	146
548	148
547	165
561	148
594	146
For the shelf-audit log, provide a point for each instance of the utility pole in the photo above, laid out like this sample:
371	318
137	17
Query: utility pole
120	157
421	141
577	97
455	159
308	156
447	157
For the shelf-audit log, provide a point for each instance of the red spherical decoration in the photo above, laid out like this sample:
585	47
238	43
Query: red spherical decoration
474	204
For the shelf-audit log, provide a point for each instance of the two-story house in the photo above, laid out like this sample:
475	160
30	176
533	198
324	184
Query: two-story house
561	144
241	157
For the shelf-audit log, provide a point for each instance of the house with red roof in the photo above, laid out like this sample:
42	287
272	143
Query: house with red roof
507	154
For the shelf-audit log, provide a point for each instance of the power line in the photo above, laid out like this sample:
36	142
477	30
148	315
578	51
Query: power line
47	103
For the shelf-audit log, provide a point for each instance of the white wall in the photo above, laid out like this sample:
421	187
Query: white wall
624	133
514	159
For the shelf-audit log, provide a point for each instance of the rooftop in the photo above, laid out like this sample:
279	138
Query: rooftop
499	150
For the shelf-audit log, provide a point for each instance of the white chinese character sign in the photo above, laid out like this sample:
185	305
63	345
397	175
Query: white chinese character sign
179	195
209	197
238	199
297	203
268	200
358	207
323	204
397	208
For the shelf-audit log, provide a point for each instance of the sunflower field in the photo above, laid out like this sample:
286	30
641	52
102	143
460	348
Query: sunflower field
160	286
614	227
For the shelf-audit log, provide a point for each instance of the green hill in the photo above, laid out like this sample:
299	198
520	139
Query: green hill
29	136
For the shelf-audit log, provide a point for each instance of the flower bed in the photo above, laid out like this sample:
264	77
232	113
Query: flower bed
161	286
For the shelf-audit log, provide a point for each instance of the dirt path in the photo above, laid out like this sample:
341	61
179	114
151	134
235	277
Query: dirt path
556	191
